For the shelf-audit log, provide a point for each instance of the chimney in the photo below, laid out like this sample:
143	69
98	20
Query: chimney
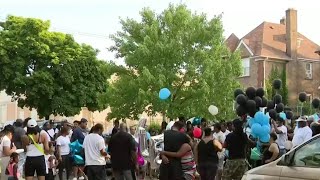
291	33
283	21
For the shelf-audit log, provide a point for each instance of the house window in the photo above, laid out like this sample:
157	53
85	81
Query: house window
246	67
309	70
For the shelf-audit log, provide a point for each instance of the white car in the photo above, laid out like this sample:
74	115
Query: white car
301	162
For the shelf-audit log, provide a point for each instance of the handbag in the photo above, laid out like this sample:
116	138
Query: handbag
140	158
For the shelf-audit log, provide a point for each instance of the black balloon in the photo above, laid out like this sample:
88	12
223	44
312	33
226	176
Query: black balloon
302	97
273	114
237	92
277	99
241	110
251	92
258	101
289	115
316	103
270	105
241	99
260	92
251	107
277	84
280	108
264	102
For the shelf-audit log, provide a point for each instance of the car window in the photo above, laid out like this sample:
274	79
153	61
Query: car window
308	155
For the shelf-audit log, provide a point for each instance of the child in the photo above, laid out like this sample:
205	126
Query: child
12	168
51	163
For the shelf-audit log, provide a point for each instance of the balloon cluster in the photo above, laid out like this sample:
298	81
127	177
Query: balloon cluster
75	148
250	102
315	103
260	127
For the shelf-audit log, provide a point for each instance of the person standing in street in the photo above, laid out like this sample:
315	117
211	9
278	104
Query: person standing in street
95	153
18	133
79	134
63	151
122	149
282	134
236	143
302	132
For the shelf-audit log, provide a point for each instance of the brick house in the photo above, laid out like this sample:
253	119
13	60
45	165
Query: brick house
282	46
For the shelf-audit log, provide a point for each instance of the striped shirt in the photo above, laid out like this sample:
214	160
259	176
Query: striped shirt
188	166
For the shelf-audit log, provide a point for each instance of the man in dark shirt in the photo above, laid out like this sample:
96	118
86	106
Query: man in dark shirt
236	143
80	132
122	149
115	128
173	140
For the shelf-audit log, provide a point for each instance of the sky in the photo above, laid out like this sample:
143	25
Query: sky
92	21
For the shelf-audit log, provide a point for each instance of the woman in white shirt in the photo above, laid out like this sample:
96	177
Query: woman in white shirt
36	145
63	151
5	148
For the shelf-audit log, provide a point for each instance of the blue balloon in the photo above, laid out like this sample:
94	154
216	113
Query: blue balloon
265	138
266	120
196	121
316	117
256	129
283	115
251	122
265	130
164	93
258	117
75	147
78	159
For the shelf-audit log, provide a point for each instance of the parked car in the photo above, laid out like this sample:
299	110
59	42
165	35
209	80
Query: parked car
301	162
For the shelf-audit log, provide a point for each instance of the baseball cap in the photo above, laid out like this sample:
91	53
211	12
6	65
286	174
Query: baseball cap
301	119
32	123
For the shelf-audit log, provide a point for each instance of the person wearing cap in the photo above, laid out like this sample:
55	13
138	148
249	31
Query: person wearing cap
302	132
36	146
282	133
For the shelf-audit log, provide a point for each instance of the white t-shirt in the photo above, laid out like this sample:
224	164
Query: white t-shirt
92	145
5	142
282	138
220	137
301	135
226	132
64	142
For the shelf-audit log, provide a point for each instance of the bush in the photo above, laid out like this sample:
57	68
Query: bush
154	129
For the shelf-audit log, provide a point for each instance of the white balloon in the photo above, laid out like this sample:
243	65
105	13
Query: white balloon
213	110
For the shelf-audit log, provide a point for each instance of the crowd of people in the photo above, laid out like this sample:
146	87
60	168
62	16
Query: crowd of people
219	151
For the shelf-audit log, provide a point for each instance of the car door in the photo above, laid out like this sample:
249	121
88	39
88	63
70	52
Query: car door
305	162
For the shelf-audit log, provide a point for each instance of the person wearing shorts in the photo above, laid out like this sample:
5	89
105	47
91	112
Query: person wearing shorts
35	144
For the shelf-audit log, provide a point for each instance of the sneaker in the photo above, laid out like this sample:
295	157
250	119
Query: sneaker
81	178
74	179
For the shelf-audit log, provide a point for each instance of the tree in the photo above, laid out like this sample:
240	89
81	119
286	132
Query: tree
179	50
275	74
47	70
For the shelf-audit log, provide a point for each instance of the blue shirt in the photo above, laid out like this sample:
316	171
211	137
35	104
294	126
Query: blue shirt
78	134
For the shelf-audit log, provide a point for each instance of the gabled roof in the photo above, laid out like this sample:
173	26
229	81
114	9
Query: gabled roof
269	40
232	42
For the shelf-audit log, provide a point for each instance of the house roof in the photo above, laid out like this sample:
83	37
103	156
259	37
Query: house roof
232	42
269	40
